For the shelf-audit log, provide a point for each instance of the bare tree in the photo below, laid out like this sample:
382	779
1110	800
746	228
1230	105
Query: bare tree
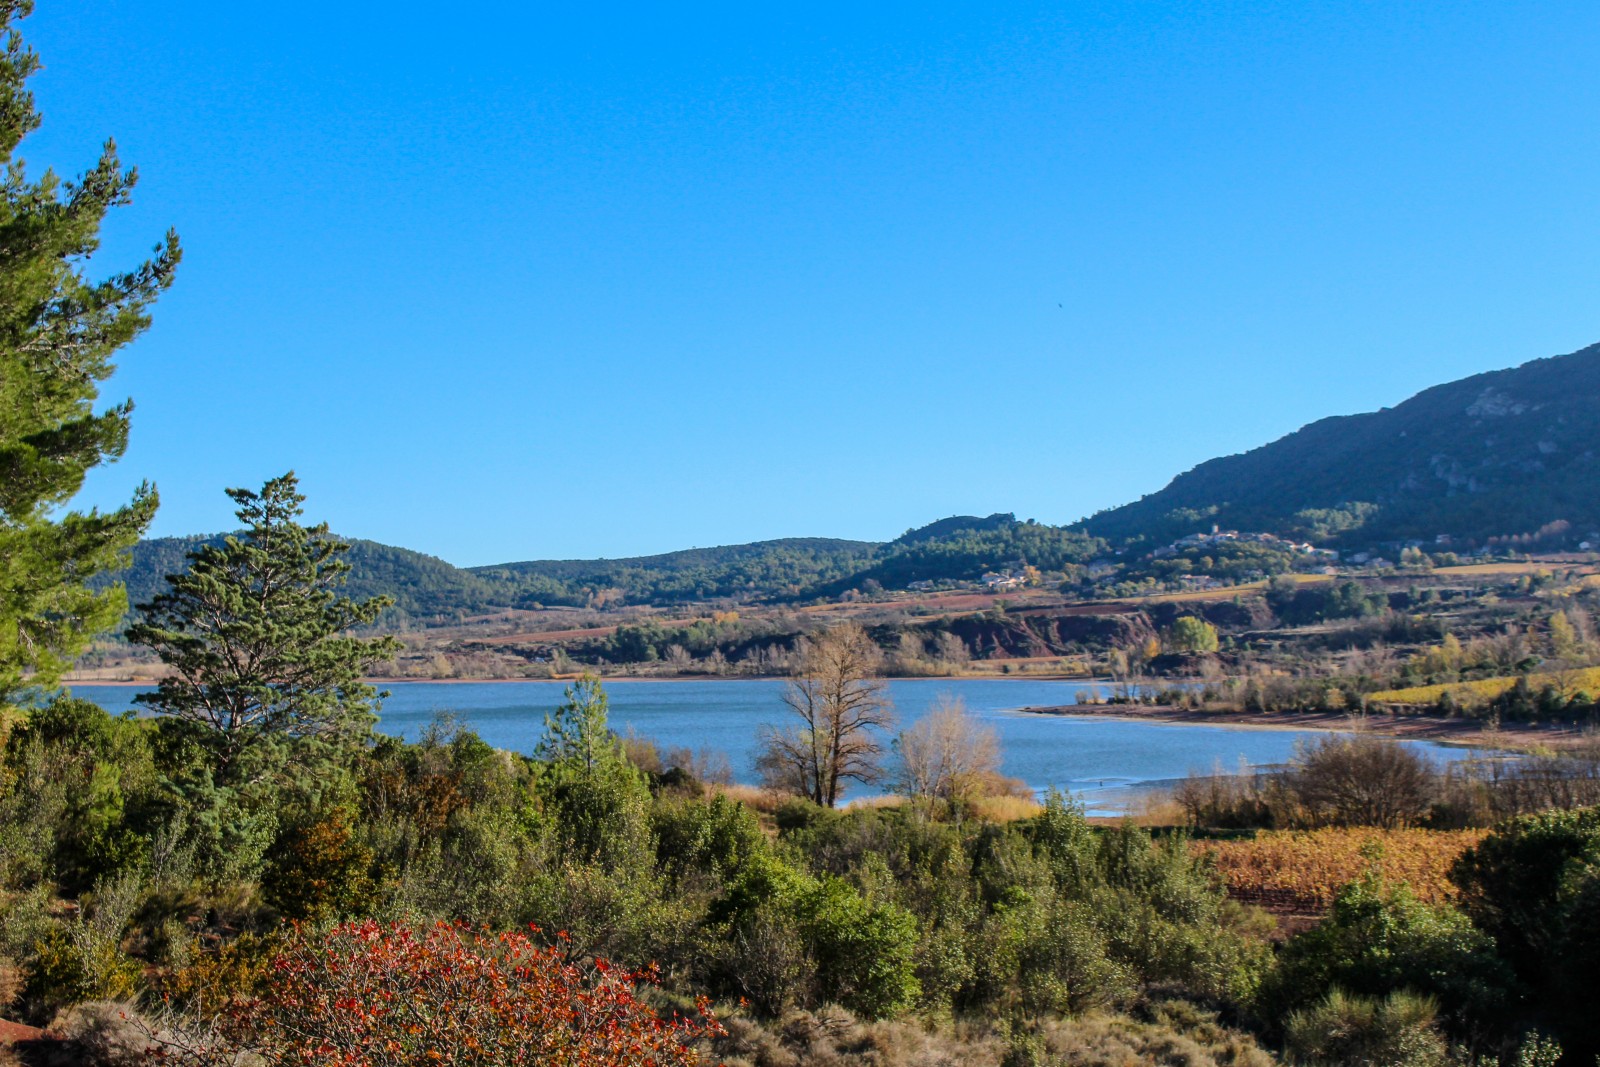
947	754
1361	780
842	706
952	651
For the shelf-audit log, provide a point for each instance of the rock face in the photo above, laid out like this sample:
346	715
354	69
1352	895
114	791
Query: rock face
1495	455
1250	613
1045	634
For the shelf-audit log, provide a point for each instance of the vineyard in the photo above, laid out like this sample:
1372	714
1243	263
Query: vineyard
1302	871
1482	690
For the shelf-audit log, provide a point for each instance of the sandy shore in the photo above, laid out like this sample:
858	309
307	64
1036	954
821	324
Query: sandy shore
1468	733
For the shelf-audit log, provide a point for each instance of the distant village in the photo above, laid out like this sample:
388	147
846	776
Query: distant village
1320	560
1219	537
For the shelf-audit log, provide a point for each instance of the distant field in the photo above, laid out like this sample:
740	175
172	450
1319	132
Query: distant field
948	601
549	635
1303	871
1225	593
1468	570
1578	681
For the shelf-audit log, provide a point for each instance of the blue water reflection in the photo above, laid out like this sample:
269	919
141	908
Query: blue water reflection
1104	761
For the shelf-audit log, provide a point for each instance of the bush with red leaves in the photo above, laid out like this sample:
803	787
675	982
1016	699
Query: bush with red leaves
371	995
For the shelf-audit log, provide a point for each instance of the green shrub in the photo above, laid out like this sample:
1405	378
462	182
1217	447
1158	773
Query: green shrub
1343	1030
859	953
319	870
715	837
1533	885
862	950
1379	938
68	969
81	787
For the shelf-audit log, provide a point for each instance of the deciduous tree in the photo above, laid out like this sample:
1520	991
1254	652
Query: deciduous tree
1190	634
947	755
1361	780
842	707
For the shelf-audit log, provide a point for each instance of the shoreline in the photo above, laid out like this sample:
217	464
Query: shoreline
567	679
1463	733
1454	732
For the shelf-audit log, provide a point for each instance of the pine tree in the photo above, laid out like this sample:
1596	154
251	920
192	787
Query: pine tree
58	331
578	732
258	638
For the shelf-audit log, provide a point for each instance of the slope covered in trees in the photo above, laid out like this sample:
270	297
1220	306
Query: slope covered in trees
962	548
421	585
959	548
1495	455
785	567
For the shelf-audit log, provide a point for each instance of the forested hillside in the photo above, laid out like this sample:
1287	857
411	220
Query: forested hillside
1505	457
1496	455
785	567
421	585
960	548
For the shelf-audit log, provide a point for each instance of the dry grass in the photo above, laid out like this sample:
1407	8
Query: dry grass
1468	570
11	981
1006	808
832	1037
887	800
1176	1035
1169	1034
586	633
1157	809
753	797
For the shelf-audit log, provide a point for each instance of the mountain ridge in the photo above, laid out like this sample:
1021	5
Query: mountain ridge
1496	454
1502	456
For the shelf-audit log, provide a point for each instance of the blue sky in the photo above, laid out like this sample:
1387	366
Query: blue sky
511	281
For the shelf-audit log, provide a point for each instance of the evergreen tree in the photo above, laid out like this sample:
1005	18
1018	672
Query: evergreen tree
578	733
58	331
599	801
258	638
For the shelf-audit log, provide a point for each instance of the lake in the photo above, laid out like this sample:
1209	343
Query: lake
1106	762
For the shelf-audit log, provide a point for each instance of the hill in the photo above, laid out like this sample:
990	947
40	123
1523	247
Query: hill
785	567
421	585
963	547
1498	455
425	586
1506	456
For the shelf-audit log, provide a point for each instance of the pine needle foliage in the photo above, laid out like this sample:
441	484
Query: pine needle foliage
58	332
258	636
578	733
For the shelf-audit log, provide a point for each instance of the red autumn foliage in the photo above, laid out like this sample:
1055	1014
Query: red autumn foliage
370	995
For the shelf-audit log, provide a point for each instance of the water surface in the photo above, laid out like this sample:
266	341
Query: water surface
1104	761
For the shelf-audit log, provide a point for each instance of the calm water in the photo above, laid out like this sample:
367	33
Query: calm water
1104	761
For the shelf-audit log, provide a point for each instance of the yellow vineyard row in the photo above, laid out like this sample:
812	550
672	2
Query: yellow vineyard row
1305	869
1576	681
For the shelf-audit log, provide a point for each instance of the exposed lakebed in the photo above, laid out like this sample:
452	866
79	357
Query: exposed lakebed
1106	761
